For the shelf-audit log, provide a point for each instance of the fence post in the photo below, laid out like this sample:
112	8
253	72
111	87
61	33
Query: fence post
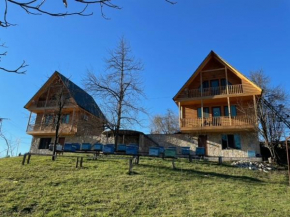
173	164
28	158
24	158
130	165
190	158
77	163
220	160
81	163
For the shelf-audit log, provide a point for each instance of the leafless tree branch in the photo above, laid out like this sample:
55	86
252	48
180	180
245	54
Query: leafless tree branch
18	70
171	2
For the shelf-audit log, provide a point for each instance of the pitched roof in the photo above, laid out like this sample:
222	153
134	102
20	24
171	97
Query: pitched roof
81	97
211	55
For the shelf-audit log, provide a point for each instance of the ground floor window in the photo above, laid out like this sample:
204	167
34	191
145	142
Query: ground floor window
231	141
44	143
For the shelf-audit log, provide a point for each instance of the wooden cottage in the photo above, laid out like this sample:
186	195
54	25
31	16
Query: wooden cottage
81	118
217	105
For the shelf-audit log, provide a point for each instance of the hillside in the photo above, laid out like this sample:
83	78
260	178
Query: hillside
104	188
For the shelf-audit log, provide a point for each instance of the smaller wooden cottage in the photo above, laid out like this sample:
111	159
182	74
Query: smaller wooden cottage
81	118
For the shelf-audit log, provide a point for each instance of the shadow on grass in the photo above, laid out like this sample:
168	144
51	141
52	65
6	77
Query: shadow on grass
202	174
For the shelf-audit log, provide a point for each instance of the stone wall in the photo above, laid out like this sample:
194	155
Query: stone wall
68	139
141	139
249	142
175	140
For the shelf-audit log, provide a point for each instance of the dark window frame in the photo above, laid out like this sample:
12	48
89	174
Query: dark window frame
231	141
44	143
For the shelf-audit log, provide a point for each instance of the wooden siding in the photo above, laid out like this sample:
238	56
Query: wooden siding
245	116
242	106
237	85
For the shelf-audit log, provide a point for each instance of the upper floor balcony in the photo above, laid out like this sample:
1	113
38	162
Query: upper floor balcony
49	129
213	91
218	124
40	105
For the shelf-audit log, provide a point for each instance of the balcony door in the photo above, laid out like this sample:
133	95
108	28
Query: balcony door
214	84
202	142
216	113
61	140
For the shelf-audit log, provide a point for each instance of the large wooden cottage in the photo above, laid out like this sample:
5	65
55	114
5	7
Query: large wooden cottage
81	118
217	106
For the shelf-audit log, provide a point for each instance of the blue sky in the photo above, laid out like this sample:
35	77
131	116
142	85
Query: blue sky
171	40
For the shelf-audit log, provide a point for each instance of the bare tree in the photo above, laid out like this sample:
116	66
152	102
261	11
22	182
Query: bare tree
10	145
120	88
270	126
61	96
165	124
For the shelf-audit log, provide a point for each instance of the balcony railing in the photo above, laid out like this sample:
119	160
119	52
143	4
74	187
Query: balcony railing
50	128
218	122
212	91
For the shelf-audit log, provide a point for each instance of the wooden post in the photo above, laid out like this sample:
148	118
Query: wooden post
229	110
28	158
28	122
24	158
173	163
228	99
179	115
130	165
255	107
47	97
77	163
81	163
190	158
288	162
41	123
201	87
227	87
201	113
220	160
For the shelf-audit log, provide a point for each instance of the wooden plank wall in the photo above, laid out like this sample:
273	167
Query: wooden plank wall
243	108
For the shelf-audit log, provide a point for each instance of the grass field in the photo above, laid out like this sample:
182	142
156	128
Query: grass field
104	188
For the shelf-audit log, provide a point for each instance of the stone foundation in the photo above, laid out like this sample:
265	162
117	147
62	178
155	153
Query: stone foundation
249	142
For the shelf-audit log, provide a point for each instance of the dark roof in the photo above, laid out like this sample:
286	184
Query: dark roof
82	98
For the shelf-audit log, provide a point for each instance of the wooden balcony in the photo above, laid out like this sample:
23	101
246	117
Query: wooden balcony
49	130
218	124
213	91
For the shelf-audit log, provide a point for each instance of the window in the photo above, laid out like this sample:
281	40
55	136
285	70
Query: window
48	119
233	111
85	117
65	119
205	84
223	82
44	143
205	112
231	141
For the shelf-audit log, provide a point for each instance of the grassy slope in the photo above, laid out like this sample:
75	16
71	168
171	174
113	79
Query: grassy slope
104	188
